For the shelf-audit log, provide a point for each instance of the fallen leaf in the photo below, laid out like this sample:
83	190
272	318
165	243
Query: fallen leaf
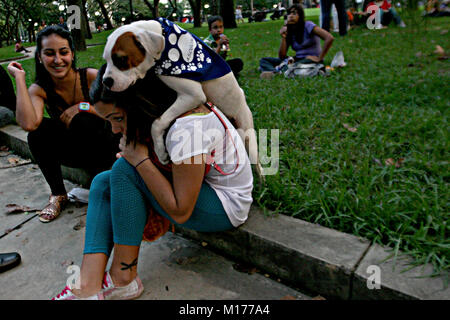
389	162
392	162
418	54
13	160
349	128
79	225
288	297
399	162
15	208
439	51
345	114
318	298
443	31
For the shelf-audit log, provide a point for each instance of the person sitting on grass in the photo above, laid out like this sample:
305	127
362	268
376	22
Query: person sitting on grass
185	192
19	47
387	14
221	44
304	38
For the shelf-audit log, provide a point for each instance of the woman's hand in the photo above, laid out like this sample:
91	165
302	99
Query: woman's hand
313	58
15	69
68	114
133	154
283	31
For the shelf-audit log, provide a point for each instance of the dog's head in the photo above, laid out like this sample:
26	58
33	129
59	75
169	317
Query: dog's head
130	52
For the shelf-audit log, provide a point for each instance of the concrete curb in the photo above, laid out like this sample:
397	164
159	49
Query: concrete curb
323	261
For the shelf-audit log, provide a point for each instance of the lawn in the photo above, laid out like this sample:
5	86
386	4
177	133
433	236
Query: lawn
364	151
9	52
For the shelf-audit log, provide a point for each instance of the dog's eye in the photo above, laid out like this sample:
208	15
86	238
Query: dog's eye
121	62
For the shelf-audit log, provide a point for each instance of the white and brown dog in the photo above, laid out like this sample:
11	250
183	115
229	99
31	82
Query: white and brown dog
185	64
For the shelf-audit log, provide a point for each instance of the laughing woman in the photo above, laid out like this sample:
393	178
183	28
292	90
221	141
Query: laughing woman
196	195
69	137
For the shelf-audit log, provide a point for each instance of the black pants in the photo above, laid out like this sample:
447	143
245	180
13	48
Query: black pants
88	144
326	15
7	95
236	65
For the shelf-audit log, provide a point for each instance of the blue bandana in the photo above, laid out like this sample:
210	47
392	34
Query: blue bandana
187	56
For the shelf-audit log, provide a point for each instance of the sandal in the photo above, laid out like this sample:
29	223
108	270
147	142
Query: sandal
54	208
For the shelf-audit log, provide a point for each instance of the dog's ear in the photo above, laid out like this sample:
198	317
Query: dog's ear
152	42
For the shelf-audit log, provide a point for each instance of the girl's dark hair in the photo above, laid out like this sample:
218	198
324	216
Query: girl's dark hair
42	76
297	30
141	112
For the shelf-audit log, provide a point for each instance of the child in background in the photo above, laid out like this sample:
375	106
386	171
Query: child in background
238	14
220	43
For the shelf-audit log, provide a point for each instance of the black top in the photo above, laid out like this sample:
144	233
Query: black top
56	105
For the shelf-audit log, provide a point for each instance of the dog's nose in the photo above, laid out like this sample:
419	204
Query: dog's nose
109	82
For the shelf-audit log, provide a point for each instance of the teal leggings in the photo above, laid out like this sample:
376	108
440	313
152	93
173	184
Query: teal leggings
117	212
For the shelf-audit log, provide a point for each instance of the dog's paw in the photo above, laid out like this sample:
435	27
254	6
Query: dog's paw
163	156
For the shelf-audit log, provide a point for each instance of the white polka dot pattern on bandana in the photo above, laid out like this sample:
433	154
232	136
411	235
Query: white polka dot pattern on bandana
185	55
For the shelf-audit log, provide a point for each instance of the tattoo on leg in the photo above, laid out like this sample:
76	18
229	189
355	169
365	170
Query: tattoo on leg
129	266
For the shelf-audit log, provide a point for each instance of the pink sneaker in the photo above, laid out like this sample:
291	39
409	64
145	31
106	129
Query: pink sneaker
131	291
67	294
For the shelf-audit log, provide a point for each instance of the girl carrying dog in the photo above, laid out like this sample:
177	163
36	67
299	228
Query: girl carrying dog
208	188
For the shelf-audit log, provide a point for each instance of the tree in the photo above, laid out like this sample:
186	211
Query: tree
86	20
153	8
227	13
105	14
214	7
78	34
196	6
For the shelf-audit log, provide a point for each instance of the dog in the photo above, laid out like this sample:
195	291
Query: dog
184	63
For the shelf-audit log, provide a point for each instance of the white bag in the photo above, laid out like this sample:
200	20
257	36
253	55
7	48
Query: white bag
338	60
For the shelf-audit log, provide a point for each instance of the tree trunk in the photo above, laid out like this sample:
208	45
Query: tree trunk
153	8
131	11
214	7
174	9
78	34
196	6
88	34
227	13
109	25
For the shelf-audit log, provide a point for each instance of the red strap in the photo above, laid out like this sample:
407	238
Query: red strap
227	132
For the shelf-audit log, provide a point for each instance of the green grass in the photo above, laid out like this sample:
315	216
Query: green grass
9	52
395	92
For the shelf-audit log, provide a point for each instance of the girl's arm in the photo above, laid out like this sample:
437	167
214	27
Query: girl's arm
179	197
176	198
282	51
328	41
29	103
